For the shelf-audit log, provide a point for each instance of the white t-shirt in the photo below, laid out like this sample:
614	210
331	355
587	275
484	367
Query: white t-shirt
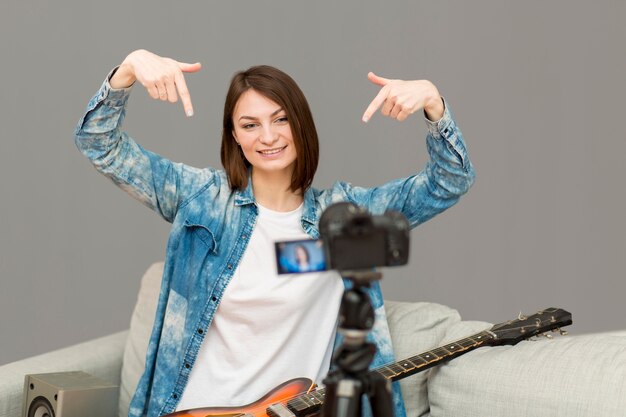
268	328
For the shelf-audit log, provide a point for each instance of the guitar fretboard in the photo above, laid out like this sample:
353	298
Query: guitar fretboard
428	359
311	402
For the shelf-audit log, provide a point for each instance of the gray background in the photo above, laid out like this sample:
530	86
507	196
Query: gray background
537	88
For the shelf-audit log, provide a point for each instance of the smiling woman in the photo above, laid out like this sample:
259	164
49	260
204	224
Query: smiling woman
228	327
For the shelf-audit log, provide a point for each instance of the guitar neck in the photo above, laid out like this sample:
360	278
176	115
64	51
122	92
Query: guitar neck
430	358
312	402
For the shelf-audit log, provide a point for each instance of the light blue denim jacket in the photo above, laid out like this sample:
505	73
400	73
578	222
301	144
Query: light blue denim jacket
210	228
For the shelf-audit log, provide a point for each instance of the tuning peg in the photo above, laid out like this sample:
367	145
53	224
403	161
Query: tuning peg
563	332
520	316
548	336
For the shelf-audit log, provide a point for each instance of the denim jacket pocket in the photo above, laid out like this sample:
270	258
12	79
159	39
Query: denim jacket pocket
203	233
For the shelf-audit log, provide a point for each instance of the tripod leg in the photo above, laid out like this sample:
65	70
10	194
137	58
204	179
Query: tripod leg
380	396
343	397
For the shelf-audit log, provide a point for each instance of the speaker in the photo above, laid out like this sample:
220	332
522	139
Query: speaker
68	394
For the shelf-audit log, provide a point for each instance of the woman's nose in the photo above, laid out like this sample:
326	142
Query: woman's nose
268	135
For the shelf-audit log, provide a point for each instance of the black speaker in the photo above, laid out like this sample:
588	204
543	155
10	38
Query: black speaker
69	394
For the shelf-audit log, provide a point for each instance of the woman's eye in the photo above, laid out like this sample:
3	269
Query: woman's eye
282	119
248	126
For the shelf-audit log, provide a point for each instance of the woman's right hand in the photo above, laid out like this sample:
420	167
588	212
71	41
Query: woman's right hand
162	77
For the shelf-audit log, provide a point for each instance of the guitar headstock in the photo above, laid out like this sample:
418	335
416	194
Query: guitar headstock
514	331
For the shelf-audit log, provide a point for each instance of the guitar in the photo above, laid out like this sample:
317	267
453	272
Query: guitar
301	398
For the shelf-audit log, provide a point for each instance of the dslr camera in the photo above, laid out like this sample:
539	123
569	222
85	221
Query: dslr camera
351	239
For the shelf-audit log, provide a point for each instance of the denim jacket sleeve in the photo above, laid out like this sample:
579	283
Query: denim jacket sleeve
157	182
446	177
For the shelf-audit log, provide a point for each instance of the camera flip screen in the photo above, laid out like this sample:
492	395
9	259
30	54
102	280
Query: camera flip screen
300	256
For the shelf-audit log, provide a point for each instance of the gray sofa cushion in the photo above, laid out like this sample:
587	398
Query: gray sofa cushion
139	335
415	328
570	376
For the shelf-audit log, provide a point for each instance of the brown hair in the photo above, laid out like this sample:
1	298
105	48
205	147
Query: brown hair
282	89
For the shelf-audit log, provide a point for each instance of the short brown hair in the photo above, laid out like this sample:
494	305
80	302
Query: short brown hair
282	89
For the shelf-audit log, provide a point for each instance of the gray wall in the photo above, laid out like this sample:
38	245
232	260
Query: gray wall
537	88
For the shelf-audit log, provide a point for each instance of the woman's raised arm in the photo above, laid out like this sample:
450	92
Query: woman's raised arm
447	175
152	179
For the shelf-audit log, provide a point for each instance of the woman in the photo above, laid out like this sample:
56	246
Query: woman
302	258
227	327
298	259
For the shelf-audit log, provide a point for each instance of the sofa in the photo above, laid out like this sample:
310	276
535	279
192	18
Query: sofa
569	376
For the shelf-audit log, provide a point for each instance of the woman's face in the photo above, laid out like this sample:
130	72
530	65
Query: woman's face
264	134
301	255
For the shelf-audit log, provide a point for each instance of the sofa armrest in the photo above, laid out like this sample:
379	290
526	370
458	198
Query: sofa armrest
100	357
573	376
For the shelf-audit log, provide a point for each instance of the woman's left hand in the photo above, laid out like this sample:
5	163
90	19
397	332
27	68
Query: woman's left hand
400	98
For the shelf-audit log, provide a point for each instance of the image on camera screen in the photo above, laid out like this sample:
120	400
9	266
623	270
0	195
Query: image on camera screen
300	256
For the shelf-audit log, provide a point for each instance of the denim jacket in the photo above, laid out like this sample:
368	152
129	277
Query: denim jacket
211	224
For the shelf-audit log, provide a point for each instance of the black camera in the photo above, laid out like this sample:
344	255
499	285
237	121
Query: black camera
351	239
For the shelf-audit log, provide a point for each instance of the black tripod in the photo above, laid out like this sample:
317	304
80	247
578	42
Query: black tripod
350	379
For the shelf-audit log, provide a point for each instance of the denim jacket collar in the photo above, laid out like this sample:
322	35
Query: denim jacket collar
310	218
245	196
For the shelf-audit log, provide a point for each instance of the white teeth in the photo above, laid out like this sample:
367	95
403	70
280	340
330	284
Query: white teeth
271	151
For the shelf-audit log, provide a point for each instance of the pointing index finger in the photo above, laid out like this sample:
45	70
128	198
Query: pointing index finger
183	92
376	79
375	104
